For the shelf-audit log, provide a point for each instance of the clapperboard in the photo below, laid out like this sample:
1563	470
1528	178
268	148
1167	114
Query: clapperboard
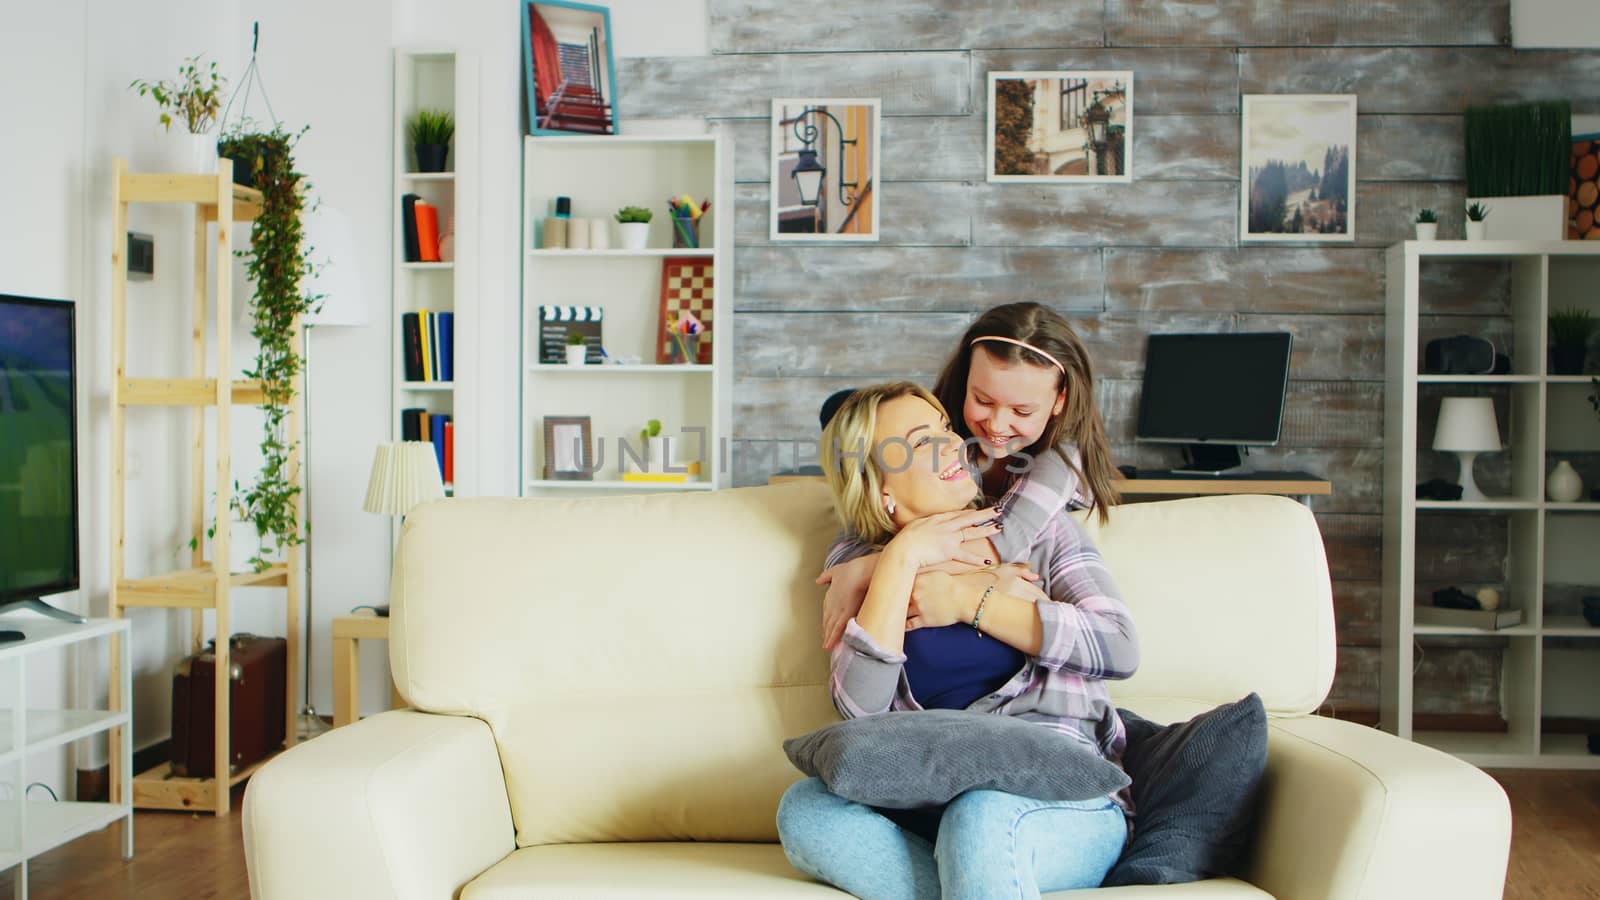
556	322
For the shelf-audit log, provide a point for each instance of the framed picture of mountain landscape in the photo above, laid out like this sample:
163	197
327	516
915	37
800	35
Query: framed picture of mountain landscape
1298	167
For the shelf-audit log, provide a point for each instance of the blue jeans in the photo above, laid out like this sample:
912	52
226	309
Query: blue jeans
988	844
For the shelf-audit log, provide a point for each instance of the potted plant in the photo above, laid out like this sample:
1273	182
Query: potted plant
1570	330
431	130
577	351
1521	155
1477	221
278	265
195	98
655	446
1427	225
252	151
633	222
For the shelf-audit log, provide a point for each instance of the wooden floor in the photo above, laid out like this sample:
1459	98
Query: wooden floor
1555	850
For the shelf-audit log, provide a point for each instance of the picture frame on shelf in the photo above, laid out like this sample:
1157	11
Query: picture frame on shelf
825	169
558	39
1060	126
688	285
568	448
1297	178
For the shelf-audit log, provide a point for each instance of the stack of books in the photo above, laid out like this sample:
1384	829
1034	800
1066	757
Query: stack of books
430	345
418	424
420	219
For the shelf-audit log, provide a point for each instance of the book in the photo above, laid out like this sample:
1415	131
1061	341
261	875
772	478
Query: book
1487	619
411	424
412	330
434	370
556	322
447	346
427	216
425	426
424	320
449	452
408	226
436	423
660	477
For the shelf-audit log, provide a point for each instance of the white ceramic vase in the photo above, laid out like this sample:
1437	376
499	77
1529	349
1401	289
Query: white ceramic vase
1563	485
190	154
658	454
635	235
577	355
1427	231
244	543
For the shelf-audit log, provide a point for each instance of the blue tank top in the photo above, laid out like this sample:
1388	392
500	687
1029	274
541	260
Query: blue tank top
950	667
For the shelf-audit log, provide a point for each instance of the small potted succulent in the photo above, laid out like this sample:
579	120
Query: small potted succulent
1570	330
633	222
1477	227
656	447
1427	225
431	130
195	98
577	351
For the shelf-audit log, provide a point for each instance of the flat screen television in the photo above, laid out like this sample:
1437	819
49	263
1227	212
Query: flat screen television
1214	393
38	454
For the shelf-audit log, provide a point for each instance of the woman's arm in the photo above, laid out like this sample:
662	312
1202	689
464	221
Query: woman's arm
847	572
1088	630
1049	486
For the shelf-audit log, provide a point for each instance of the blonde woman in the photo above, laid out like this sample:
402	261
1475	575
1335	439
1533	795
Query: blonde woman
984	639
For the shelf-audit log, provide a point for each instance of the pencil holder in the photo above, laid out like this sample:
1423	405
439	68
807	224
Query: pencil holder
685	348
685	232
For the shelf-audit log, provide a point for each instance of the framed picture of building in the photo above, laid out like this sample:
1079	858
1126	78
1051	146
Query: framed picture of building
1060	126
568	448
1298	167
825	184
568	72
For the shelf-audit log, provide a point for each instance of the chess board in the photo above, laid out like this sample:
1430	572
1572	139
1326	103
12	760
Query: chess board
686	286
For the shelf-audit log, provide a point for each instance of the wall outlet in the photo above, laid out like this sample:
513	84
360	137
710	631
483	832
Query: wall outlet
141	256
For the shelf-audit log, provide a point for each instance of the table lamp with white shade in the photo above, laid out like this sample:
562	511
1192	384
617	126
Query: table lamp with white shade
1467	427
405	475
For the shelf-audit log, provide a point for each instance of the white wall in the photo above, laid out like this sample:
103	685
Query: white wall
1554	23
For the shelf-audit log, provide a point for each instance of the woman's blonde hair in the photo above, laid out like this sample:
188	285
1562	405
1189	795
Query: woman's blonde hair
853	464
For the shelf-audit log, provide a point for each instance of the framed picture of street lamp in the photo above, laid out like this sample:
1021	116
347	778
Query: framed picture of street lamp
825	184
1298	168
1060	126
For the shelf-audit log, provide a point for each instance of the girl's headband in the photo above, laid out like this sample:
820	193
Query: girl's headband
1026	346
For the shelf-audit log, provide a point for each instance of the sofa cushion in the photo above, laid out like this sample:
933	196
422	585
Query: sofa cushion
906	760
695	870
1230	595
1194	787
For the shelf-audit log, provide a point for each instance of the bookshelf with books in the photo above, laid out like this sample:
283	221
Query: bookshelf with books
619	303
436	252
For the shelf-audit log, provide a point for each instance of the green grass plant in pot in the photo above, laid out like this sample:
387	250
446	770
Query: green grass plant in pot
633	222
431	131
1570	330
1520	155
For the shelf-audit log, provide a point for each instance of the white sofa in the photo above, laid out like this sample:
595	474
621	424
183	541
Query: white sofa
601	688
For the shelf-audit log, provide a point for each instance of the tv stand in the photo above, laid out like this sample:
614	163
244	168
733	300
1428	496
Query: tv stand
1209	459
43	608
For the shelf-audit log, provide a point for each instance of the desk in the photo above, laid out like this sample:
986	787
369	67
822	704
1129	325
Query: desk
348	632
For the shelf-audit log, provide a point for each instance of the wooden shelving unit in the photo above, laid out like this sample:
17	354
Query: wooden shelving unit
205	585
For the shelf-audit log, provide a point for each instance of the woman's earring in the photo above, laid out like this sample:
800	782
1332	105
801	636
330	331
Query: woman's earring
888	506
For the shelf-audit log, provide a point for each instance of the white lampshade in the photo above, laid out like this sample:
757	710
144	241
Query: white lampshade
404	475
337	278
1467	425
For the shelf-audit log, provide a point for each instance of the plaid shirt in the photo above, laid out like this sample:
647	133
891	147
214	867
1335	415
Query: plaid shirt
1088	634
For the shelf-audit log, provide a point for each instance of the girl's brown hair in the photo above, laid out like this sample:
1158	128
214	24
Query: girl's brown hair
1078	422
852	464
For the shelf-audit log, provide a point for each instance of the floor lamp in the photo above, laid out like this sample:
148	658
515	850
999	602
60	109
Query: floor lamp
342	305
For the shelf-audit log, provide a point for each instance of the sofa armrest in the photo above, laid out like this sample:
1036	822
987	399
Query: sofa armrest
402	804
1352	812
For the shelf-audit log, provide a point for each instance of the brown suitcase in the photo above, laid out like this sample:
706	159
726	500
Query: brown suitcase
256	705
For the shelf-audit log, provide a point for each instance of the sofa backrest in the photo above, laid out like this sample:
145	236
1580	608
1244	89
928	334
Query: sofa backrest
641	659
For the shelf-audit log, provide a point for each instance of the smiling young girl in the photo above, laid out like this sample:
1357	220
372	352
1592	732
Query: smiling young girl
1023	385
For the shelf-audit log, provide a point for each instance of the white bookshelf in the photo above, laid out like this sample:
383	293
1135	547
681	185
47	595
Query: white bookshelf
1550	663
448	79
601	174
31	826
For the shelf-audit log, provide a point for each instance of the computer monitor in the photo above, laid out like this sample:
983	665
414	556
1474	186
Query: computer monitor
1213	393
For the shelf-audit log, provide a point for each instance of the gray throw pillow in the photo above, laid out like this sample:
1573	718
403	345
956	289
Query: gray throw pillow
1194	792
906	760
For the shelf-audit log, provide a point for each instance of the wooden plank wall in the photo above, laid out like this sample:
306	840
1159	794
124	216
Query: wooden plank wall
1121	261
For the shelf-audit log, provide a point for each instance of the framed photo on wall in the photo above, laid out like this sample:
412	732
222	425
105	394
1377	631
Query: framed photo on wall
825	182
568	73
1060	126
568	448
1298	167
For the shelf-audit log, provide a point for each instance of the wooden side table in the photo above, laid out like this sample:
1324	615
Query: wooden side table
348	633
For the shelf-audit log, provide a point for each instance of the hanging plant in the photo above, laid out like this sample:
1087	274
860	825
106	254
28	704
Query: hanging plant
278	264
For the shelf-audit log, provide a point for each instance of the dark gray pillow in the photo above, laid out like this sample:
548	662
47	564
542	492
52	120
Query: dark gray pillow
906	760
1194	792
